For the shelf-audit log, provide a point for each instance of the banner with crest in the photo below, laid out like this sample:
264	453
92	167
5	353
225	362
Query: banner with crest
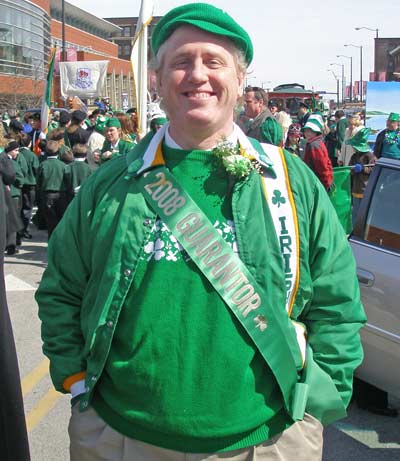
83	78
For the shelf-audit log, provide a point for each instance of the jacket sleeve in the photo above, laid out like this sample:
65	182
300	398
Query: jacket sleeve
378	144
334	314
7	170
61	291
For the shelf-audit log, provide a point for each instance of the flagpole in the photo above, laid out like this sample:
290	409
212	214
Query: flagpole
139	63
143	82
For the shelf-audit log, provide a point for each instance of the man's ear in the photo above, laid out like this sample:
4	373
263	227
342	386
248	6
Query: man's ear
241	78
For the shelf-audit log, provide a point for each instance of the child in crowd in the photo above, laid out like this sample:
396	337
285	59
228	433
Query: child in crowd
78	171
362	162
52	187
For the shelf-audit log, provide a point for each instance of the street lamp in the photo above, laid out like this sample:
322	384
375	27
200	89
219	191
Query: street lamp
351	73
342	66
337	86
376	36
361	59
369	28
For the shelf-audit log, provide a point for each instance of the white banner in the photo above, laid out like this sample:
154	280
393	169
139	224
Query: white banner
83	78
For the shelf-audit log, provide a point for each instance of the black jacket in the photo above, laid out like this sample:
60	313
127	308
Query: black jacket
13	438
379	144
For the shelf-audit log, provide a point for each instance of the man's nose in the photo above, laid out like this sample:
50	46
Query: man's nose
198	71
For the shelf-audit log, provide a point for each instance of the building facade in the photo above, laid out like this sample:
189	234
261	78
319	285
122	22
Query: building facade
25	44
29	30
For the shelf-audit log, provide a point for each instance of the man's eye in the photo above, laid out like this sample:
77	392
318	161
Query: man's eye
214	63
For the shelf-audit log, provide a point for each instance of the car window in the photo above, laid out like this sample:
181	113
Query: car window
383	220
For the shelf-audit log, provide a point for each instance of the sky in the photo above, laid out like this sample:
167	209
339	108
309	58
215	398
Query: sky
294	41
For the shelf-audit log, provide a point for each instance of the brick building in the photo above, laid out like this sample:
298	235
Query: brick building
387	60
29	29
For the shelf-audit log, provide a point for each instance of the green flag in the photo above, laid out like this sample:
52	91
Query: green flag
341	196
46	103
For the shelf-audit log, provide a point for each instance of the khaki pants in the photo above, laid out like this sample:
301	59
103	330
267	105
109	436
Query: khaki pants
93	440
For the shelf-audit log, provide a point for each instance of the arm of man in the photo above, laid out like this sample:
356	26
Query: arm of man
61	292
378	144
334	314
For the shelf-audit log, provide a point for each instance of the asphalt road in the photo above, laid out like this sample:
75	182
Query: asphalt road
361	436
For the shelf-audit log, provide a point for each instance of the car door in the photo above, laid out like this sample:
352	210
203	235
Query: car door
376	247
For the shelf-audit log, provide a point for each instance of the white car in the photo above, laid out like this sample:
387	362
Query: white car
376	246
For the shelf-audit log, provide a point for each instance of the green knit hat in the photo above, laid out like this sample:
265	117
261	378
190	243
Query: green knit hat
113	121
272	131
359	140
314	123
205	17
393	117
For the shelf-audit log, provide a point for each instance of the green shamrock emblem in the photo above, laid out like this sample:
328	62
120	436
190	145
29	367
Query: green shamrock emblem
277	198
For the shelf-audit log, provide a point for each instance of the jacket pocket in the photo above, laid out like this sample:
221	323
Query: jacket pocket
324	401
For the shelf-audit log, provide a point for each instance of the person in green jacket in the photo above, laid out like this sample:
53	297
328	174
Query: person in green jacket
52	183
201	296
77	171
29	187
114	145
14	224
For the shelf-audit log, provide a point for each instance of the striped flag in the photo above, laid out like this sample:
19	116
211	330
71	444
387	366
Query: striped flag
139	63
44	116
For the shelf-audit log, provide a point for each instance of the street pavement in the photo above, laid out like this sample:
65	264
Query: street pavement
360	437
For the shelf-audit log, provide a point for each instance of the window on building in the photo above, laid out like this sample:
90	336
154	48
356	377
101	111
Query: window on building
126	31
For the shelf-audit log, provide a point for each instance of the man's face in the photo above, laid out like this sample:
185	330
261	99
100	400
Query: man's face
14	153
112	134
273	109
302	110
392	126
309	134
252	106
199	81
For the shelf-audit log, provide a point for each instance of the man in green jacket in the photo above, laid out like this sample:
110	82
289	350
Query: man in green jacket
200	295
114	145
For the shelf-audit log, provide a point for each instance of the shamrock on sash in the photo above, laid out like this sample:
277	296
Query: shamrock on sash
277	198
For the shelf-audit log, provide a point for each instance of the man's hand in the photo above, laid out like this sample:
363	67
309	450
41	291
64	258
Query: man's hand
106	155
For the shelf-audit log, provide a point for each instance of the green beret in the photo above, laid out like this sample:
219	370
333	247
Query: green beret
205	17
272	132
393	117
113	121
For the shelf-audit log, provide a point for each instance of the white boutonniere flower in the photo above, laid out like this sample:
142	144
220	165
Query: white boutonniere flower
235	159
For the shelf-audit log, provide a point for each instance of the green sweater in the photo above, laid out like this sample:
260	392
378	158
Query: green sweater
51	176
32	165
77	172
146	392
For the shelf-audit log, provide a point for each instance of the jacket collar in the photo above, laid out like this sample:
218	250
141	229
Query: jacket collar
150	153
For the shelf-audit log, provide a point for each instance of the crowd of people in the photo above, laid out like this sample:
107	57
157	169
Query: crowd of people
51	167
322	141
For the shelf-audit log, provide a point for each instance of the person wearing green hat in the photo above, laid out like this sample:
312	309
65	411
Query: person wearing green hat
114	145
362	162
181	281
316	154
387	142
